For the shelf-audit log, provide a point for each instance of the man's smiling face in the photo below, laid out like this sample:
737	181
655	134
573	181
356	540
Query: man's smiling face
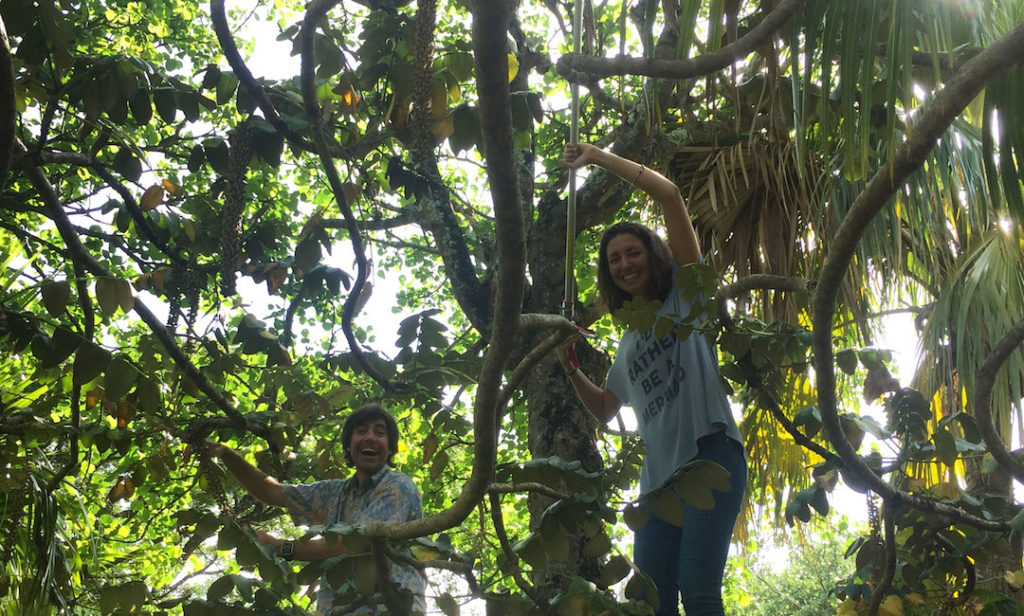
369	448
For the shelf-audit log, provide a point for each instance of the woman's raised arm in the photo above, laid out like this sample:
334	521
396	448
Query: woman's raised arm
682	239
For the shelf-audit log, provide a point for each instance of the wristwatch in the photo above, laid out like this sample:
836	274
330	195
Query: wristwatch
287	549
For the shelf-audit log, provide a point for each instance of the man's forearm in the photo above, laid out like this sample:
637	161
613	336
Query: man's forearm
305	549
259	484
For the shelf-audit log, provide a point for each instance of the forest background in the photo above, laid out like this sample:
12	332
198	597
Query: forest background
843	161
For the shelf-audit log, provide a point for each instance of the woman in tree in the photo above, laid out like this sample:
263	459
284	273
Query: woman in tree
674	388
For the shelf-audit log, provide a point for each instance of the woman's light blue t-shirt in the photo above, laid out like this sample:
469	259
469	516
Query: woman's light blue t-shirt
674	389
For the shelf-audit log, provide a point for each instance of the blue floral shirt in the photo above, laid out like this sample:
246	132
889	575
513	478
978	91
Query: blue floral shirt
388	496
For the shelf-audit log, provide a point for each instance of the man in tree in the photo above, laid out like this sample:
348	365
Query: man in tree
374	493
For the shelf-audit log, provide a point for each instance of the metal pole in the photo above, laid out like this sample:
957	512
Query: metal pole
569	298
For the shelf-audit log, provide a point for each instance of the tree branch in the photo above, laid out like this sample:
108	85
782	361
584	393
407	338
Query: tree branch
317	11
984	381
764	282
489	35
562	326
245	77
8	109
889	524
401	220
141	223
932	121
571	65
498	520
751	373
421	565
80	254
529	486
32	159
89	317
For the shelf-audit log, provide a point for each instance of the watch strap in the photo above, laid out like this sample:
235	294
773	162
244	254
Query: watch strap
287	550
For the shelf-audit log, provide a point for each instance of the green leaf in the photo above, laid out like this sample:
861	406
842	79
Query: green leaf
798	508
269	145
118	111
226	86
90	361
196	158
460	64
188	102
819	500
243	585
132	596
466	133
205	527
1017	523
667	505
613	571
539	551
310	573
217	154
220	588
55	296
61	346
109	599
874	359
166	104
119	378
245	104
809	418
635	516
358	569
107	295
847	360
945	447
113	293
141	106
438	465
127	164
663	327
266	599
640	586
597	546
969	427
147	394
683	332
200	608
248	553
447	604
157	467
211	77
735	343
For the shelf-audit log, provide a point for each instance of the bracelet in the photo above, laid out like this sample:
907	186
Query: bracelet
638	174
574	371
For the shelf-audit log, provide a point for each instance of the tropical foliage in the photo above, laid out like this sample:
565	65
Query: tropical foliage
799	573
200	239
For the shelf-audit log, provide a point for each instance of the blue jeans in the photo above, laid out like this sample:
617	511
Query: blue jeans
690	560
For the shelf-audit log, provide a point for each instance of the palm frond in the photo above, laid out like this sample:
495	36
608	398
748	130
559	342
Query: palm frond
981	299
753	203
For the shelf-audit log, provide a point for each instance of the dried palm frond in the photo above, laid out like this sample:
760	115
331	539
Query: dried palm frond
755	205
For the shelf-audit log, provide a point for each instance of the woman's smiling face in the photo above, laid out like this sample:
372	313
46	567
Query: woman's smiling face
629	264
